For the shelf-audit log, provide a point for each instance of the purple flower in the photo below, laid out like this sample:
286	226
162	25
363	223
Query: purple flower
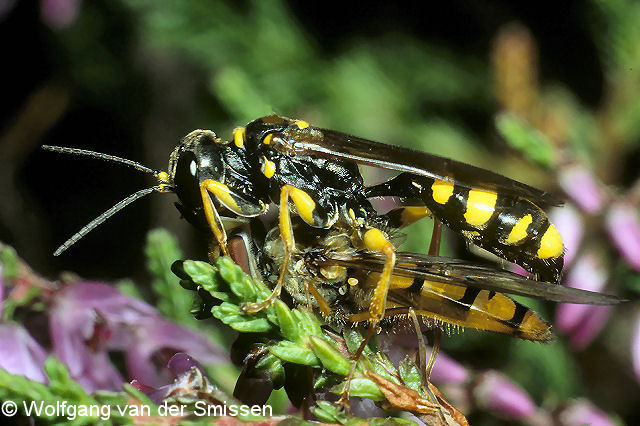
635	349
582	412
87	320
587	274
59	14
187	374
1	289
501	396
447	370
623	226
582	186
584	322
569	223
155	334
21	354
589	329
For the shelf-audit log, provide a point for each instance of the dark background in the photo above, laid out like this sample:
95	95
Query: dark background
51	196
97	84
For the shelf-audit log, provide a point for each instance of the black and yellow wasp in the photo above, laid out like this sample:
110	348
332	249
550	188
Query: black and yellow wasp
314	173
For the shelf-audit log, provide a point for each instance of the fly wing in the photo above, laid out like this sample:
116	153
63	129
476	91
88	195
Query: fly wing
465	274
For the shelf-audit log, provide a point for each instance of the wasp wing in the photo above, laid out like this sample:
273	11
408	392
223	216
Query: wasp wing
466	274
332	144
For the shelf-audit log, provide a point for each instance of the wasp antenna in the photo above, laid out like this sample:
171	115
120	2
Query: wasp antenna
106	215
101	156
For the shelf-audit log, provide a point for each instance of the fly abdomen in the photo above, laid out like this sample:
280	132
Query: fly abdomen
511	227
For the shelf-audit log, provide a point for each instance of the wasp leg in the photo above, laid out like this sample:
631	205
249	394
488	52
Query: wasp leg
211	213
374	239
403	216
436	235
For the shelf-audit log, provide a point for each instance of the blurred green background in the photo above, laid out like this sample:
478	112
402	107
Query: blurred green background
130	78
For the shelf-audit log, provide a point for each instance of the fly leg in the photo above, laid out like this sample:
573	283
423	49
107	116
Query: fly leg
308	211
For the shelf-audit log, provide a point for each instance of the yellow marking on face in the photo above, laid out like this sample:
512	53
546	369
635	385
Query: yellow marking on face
353	281
442	190
413	213
519	230
304	204
222	193
302	124
480	206
238	136
268	167
551	245
267	139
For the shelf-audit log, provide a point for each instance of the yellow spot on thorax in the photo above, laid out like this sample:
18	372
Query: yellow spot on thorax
519	230
268	167
551	245
302	124
238	136
267	139
442	190
304	204
480	206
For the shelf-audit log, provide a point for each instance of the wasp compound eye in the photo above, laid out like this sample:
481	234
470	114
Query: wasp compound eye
186	179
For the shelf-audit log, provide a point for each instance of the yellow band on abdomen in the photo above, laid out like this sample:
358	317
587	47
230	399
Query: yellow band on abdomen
480	207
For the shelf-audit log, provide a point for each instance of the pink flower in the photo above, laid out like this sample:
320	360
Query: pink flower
587	274
182	367
584	322
500	396
569	223
623	226
582	412
59	14
447	370
635	349
20	353
582	186
89	320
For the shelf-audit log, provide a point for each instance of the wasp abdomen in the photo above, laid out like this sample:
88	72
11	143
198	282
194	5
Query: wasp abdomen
512	227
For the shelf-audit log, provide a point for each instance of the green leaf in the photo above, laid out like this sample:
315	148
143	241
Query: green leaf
362	387
9	262
329	356
296	354
526	139
201	273
410	374
287	323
